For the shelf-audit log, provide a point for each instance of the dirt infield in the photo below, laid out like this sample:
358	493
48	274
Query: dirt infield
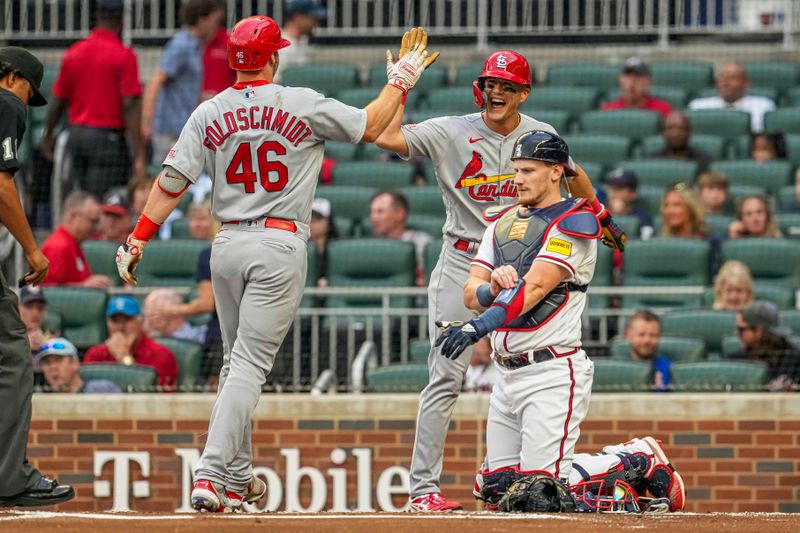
39	522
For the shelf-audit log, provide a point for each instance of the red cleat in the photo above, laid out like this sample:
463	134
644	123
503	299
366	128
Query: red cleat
206	496
664	480
433	502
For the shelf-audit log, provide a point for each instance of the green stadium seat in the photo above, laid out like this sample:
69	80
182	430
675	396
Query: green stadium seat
781	76
583	75
430	224
737	192
630	224
171	263
133	378
723	122
419	350
372	152
783	120
326	78
409	378
689	76
189	356
557	118
358	97
450	100
791	319
574	100
341	151
771	260
180	229
432	251
345	227
348	202
711	376
665	262
424	200
706	324
771	175
379	174
603	276
730	345
631	123
607	150
370	263
417	116
718	224
101	257
312	273
792	141
787	199
83	312
593	169
621	376
434	78
469	72
789	224
650	198
677	349
661	172
793	96
711	145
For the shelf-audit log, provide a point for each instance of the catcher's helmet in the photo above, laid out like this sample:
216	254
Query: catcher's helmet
544	146
506	65
252	42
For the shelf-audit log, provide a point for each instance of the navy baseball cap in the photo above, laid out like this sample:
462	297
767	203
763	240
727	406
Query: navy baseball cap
305	6
621	177
635	65
123	305
28	294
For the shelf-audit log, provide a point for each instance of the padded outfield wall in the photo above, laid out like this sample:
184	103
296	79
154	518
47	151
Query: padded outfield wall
736	452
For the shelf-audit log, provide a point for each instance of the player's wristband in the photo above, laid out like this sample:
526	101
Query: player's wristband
597	207
145	229
405	97
506	307
484	295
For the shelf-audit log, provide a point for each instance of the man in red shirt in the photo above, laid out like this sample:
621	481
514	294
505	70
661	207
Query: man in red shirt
634	85
127	344
68	264
217	75
102	107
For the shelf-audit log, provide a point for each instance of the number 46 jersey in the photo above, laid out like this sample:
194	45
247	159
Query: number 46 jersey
262	144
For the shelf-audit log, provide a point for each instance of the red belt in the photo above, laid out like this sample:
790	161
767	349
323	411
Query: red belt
466	246
269	222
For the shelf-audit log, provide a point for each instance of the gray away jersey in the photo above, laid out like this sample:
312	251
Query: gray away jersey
473	166
262	144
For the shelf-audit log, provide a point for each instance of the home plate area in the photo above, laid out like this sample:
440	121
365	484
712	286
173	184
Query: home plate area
466	522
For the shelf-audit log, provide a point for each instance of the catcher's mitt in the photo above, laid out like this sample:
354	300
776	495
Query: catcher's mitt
537	493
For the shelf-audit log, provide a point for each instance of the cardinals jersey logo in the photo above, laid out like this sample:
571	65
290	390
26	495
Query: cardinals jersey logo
481	187
502	62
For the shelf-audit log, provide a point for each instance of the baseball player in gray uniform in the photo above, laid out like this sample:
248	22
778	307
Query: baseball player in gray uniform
472	156
262	144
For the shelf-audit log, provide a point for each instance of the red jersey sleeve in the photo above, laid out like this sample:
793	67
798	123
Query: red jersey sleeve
59	256
129	84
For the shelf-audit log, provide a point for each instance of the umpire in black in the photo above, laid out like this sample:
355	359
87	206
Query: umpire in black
20	483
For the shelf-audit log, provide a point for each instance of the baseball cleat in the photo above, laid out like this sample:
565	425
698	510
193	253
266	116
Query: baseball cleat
206	496
256	490
664	481
433	502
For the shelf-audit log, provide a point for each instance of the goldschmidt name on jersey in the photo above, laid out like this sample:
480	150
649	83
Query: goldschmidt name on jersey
281	122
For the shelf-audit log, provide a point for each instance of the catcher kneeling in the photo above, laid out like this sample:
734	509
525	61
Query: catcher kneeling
529	280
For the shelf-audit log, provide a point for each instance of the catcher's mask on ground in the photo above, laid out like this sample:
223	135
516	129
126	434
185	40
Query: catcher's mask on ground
597	496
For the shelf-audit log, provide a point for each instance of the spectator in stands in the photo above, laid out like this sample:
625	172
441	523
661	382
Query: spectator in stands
99	83
300	19
634	87
767	146
127	344
115	221
217	75
202	225
68	264
732	85
160	324
322	232
754	218
682	214
481	374
60	365
138	189
677	132
623	186
713	190
174	89
643	332
764	339
733	288
388	211
32	308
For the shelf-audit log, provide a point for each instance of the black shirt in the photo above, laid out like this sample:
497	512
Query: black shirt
12	128
702	159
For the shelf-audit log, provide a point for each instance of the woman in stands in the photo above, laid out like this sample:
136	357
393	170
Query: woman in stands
733	288
754	218
682	216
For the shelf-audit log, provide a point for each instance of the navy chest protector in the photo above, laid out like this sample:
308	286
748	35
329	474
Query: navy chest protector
519	236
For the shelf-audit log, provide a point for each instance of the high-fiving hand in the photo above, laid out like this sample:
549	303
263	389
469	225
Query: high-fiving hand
412	60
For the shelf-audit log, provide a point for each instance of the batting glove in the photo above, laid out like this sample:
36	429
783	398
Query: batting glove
456	338
128	256
613	236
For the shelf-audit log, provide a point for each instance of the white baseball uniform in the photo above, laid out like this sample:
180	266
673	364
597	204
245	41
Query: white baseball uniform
262	144
474	172
536	407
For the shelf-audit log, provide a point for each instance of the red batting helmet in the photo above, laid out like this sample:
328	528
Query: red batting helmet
252	42
506	65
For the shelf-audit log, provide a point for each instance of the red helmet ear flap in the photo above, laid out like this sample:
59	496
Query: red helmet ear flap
480	96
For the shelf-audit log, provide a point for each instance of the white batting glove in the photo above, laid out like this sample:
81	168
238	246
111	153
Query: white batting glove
405	73
128	256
